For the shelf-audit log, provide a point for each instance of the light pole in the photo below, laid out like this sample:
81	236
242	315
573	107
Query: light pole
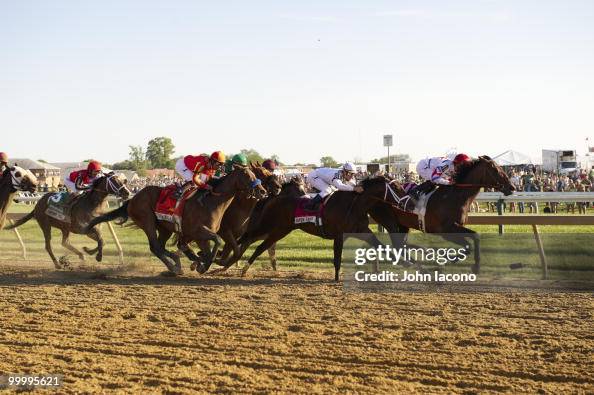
388	143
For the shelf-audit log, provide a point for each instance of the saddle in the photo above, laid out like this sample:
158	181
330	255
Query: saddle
169	208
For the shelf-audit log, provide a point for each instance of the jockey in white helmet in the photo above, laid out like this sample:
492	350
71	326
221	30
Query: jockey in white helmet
327	180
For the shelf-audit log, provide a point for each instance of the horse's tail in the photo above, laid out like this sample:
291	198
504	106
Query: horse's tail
21	221
120	212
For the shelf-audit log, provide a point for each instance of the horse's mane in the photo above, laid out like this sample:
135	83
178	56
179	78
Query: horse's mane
370	181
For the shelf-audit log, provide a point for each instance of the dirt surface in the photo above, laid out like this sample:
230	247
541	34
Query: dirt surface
297	332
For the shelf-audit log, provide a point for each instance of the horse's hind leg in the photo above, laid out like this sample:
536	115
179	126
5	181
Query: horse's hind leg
95	234
272	256
271	239
66	244
157	249
47	235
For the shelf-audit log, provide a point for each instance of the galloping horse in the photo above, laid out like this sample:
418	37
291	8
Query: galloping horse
448	207
344	212
238	225
13	180
200	223
84	208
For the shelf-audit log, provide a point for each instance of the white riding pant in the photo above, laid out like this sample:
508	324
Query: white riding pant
424	170
183	171
321	185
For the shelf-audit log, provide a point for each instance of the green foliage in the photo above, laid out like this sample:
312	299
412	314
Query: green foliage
328	161
158	153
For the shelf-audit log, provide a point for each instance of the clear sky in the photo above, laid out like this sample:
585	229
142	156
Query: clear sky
300	79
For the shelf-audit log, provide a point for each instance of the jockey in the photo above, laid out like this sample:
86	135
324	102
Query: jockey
238	159
269	165
197	170
81	180
327	180
3	163
438	171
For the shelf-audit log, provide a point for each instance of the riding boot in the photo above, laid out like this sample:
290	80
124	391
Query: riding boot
423	188
313	204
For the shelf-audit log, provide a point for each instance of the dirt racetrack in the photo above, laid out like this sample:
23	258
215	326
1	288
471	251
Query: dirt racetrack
298	332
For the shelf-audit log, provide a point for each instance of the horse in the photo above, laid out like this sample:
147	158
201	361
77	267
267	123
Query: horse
14	179
201	218
344	212
83	209
242	224
448	207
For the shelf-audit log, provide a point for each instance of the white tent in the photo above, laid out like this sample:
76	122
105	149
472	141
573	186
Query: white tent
512	158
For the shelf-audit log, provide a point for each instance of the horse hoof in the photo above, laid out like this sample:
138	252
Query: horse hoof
193	266
476	269
99	258
202	268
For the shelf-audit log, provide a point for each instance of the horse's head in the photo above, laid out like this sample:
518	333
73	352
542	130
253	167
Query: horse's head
269	180
485	172
294	187
22	180
244	180
375	186
113	184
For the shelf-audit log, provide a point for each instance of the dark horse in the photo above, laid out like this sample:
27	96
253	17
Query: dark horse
200	223
14	179
84	208
344	212
448	207
240	222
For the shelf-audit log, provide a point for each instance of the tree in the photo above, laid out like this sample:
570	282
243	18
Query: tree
275	158
137	158
328	161
252	155
393	158
159	151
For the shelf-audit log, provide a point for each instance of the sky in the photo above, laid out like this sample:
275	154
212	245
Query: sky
302	80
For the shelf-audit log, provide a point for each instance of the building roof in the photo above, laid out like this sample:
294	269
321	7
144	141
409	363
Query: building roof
31	164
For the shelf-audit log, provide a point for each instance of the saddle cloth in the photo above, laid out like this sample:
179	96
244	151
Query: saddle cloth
59	206
303	215
169	209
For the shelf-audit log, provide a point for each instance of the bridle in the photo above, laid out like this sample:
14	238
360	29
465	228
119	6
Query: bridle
112	187
16	183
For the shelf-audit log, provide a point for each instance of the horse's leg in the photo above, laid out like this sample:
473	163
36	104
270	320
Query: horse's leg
66	244
164	234
272	255
266	244
150	229
338	244
457	234
46	228
95	234
205	236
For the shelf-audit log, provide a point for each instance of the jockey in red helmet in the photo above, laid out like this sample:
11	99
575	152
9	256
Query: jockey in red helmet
198	170
81	180
438	171
269	165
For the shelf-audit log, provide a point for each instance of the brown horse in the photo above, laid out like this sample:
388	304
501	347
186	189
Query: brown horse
200	223
239	224
84	208
448	207
344	212
14	179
